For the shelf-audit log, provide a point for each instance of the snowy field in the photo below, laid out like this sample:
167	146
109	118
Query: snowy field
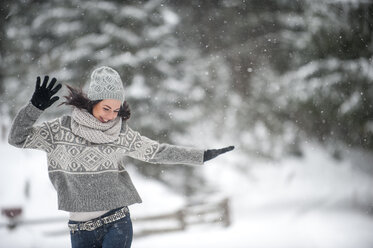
315	201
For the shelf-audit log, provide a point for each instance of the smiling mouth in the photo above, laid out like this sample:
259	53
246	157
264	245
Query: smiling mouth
102	120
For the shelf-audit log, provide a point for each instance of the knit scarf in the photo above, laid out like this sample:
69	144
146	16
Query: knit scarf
87	126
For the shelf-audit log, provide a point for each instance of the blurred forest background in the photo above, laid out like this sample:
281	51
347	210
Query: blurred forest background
261	75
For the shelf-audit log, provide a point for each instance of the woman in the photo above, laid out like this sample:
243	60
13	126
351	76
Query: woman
85	153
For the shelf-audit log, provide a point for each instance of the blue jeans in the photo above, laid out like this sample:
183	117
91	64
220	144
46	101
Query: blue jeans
117	234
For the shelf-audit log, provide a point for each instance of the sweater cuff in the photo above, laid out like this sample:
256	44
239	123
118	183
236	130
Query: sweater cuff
201	157
33	112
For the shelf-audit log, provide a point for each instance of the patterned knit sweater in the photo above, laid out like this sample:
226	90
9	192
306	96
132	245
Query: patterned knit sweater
89	176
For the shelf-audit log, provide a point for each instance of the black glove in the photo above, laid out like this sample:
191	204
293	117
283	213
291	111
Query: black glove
42	97
212	153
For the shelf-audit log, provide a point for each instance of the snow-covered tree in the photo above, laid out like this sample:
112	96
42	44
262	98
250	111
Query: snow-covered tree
239	43
328	84
295	69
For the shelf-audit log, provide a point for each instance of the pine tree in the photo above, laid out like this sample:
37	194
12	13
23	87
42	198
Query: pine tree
239	46
295	69
330	73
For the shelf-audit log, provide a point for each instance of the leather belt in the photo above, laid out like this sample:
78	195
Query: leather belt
100	221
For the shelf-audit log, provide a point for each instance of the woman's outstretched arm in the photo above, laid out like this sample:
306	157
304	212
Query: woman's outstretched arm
22	125
151	151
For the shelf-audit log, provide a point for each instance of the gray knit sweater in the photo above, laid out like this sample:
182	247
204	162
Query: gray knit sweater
89	176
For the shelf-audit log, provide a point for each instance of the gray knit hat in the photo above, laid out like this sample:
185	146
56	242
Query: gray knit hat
105	84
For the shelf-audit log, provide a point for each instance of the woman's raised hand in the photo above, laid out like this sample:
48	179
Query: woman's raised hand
212	153
42	97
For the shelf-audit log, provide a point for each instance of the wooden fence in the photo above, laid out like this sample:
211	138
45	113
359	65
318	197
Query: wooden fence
203	213
190	215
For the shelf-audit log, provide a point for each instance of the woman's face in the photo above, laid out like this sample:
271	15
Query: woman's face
106	110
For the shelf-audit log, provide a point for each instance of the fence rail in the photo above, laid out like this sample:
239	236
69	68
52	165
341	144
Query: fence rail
196	214
204	213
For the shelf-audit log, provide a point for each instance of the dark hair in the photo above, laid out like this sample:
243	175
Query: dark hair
78	99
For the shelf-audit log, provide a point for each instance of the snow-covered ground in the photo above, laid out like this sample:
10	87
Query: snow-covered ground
314	201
